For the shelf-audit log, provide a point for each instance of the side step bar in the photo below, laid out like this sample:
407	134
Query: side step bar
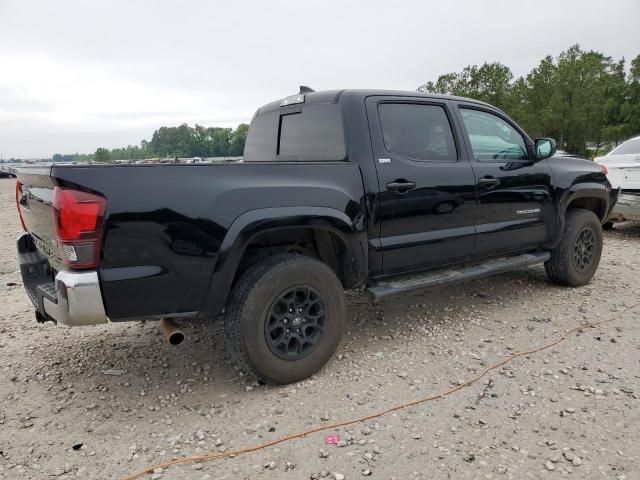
386	288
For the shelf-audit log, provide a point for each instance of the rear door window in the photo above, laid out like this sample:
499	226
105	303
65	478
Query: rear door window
417	131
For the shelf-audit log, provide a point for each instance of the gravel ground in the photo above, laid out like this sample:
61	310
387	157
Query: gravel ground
106	401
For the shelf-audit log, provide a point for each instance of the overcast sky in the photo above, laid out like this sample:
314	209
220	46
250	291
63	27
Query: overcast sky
77	75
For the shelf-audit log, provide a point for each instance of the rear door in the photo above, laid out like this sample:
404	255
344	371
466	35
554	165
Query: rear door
516	210
426	185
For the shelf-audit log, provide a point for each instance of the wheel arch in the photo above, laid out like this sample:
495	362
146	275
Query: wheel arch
596	200
594	197
325	224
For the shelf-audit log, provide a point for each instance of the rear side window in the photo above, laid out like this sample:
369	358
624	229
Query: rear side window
417	131
314	133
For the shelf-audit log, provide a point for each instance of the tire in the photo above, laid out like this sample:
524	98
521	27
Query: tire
260	337
567	265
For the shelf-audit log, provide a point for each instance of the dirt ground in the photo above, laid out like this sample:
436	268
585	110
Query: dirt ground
106	401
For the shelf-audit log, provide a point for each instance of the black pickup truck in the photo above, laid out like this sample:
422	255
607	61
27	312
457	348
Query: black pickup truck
396	191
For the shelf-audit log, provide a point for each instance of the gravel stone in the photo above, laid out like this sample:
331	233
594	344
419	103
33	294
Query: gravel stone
115	386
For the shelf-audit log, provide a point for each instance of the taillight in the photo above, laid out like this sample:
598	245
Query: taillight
78	220
604	169
18	198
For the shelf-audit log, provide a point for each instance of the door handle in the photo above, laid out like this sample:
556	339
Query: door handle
401	186
489	182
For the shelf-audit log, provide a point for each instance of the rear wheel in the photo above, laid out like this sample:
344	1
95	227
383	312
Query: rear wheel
285	318
575	260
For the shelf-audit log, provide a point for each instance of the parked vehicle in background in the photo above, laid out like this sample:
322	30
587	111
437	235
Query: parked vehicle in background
623	164
7	172
562	153
394	190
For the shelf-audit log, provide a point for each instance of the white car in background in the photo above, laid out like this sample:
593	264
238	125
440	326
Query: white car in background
623	163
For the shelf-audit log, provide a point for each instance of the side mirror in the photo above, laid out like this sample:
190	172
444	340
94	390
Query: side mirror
545	148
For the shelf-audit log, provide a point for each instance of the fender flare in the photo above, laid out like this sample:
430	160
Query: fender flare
254	222
583	190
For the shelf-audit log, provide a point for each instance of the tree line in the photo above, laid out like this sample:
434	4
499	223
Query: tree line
585	100
171	142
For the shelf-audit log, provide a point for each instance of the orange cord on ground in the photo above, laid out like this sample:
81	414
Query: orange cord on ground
238	451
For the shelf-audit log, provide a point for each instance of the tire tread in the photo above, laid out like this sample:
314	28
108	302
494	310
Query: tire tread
559	267
243	289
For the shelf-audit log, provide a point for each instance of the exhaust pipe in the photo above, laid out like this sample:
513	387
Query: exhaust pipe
171	331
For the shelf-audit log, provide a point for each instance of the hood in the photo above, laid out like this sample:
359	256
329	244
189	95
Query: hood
575	162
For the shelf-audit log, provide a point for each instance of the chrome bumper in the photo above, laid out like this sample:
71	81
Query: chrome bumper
79	301
72	298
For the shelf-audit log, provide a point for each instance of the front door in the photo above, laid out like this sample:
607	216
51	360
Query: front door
426	204
516	210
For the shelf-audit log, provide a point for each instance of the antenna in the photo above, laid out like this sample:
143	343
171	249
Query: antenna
305	89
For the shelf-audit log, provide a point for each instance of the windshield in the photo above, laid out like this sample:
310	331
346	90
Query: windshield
628	147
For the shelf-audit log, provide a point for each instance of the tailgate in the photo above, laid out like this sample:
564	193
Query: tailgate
35	196
60	220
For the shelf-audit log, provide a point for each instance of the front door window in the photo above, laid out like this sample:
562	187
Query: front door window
492	139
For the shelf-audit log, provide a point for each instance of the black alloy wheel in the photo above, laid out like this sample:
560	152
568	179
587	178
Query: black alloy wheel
295	323
584	249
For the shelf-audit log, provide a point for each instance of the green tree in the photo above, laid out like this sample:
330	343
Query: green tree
630	108
447	84
534	100
580	97
238	139
102	155
489	83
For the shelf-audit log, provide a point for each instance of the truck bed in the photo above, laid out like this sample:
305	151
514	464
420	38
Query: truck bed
166	224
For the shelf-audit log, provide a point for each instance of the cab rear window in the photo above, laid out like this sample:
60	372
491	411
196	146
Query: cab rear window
260	145
313	133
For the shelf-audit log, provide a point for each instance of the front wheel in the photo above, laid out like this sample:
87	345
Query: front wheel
575	260
285	318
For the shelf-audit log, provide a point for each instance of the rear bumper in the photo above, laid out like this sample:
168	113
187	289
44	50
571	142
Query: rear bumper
71	298
626	208
78	299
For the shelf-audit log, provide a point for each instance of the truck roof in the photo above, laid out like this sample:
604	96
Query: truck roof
332	96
